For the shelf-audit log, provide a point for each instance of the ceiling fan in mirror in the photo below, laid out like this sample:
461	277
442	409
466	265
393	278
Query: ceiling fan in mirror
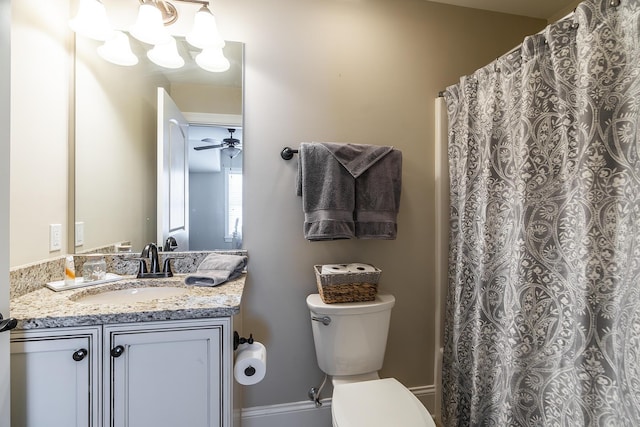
231	146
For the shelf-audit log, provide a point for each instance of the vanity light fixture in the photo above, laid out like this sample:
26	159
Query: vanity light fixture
117	50
166	54
205	31
91	21
150	28
212	59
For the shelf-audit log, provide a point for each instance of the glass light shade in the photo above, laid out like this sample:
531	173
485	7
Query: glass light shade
204	33
212	59
231	152
91	21
149	27
166	55
117	50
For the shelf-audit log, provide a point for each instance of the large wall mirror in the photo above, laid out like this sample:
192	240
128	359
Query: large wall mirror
116	150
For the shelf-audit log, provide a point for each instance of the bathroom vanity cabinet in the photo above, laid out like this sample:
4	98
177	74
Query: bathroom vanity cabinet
168	373
55	377
161	373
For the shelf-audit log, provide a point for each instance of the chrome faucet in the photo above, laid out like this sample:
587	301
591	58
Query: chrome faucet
150	252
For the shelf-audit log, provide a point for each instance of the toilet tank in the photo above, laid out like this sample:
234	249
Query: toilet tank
354	341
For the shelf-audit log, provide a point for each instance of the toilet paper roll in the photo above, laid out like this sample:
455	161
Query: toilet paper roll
334	268
357	267
251	363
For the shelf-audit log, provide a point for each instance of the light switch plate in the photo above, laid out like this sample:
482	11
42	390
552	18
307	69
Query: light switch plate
79	233
55	237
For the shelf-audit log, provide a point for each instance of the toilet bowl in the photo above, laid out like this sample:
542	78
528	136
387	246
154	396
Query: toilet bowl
377	403
350	340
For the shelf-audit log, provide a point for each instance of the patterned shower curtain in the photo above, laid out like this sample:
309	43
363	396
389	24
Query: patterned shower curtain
543	310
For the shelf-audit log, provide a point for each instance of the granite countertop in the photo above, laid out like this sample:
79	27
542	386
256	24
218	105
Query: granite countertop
45	308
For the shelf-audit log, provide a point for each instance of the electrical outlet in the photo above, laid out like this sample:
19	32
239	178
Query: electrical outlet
55	237
79	233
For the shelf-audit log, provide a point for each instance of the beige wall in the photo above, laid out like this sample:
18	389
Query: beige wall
363	72
115	149
39	127
332	70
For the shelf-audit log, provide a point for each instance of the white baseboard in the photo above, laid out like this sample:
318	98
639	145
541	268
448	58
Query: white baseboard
305	413
295	414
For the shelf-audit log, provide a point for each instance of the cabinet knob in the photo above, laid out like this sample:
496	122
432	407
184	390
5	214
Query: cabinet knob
80	354
117	351
7	324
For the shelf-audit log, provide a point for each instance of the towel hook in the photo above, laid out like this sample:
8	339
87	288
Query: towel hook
287	153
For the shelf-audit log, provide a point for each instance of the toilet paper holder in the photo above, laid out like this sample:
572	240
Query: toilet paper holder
237	340
249	361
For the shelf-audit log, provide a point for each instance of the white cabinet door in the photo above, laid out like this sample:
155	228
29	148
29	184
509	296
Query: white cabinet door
168	374
55	377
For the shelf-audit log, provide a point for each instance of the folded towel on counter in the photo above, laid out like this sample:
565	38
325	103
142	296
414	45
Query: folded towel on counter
327	190
216	269
349	190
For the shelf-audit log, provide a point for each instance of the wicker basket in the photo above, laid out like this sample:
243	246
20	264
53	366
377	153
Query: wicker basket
347	287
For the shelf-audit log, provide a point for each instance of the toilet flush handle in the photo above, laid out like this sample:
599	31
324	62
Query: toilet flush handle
325	320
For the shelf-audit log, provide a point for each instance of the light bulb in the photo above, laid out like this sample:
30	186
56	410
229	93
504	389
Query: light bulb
166	55
117	50
91	21
213	60
149	27
205	31
231	152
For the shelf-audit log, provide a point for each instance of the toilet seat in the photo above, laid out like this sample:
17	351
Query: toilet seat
377	403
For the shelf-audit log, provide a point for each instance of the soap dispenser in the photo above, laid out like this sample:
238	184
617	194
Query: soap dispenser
69	271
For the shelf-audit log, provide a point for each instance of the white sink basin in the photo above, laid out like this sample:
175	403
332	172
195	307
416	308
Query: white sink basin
133	295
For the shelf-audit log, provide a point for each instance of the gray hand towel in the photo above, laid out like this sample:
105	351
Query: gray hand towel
349	190
216	269
378	192
357	158
377	171
327	191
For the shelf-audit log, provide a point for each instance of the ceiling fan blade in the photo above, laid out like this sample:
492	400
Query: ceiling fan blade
217	142
207	147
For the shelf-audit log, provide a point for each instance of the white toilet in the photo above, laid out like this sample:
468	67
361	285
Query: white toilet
350	340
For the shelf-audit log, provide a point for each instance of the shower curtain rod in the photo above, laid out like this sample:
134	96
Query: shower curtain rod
612	3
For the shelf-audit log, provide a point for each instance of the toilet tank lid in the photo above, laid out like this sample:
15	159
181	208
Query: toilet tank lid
381	303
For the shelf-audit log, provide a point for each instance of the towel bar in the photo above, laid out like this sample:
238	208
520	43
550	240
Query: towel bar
287	153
